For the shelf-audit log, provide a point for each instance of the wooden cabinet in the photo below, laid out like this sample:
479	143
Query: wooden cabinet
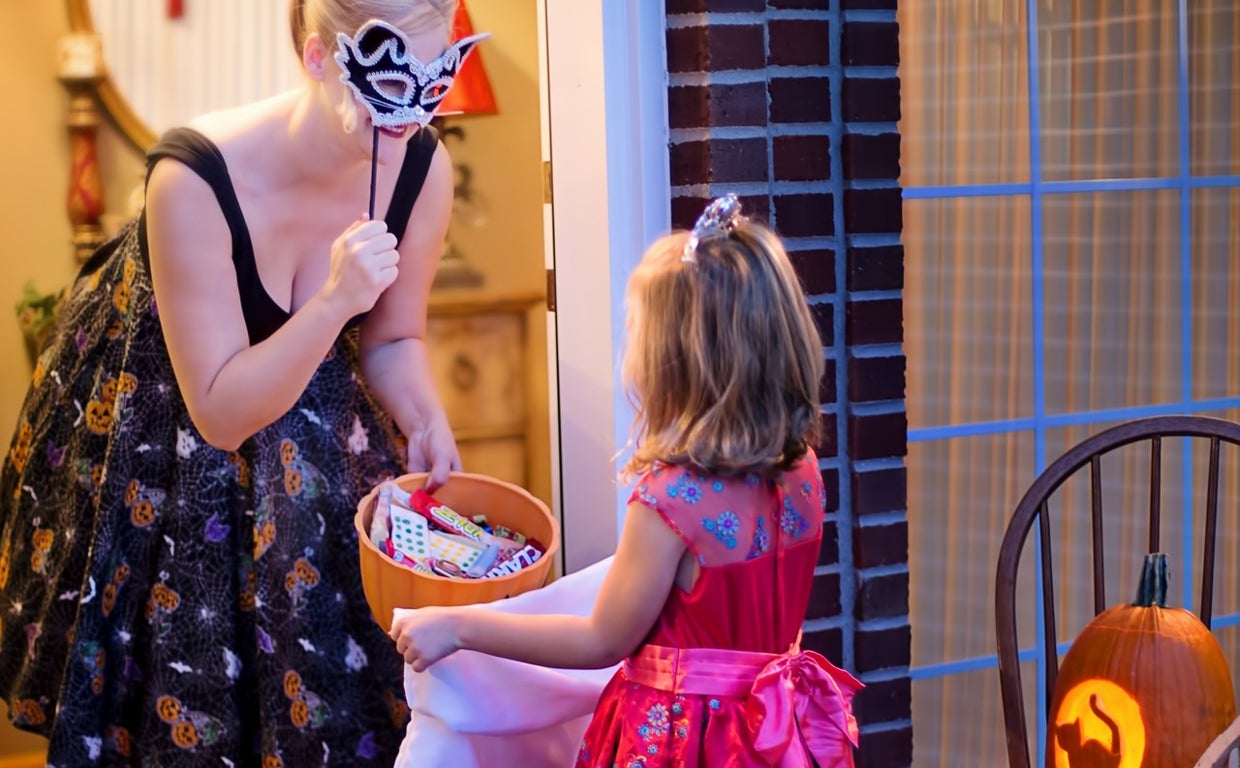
489	379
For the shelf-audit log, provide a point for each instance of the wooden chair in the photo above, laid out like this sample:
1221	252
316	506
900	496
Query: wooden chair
1224	752
1035	507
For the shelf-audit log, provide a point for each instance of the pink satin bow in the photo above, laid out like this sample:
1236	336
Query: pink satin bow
802	691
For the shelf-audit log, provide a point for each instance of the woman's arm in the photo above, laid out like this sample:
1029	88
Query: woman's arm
232	389
393	347
629	602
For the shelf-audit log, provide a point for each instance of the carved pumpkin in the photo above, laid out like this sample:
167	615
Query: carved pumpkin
1143	686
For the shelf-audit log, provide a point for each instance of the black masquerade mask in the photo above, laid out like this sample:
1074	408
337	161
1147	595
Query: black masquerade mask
397	89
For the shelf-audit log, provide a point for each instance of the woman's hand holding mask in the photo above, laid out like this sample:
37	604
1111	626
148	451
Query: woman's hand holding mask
364	264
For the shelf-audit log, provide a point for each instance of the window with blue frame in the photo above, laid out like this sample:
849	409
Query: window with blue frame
1071	173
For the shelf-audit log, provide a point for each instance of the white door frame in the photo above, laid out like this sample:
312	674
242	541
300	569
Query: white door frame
604	108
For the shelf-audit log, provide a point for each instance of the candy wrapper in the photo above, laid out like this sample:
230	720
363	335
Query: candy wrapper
419	531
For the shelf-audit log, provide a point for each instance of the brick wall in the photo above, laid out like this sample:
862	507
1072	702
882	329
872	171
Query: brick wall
793	105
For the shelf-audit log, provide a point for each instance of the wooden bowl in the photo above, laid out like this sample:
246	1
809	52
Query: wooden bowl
389	585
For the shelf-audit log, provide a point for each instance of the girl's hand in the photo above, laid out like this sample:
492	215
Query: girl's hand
426	635
364	264
433	449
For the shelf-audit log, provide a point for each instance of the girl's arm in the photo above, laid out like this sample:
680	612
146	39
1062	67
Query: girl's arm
232	389
628	604
393	347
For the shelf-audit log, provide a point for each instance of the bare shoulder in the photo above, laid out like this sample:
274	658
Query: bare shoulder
440	176
184	220
175	190
437	189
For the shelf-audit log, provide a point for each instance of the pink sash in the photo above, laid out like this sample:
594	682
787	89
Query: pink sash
792	699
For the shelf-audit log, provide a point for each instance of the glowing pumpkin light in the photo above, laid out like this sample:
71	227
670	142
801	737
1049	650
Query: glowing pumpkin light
1143	686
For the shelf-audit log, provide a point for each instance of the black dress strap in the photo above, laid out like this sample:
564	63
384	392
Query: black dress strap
413	173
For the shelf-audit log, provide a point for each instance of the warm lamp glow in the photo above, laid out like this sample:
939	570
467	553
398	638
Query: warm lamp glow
471	92
1098	718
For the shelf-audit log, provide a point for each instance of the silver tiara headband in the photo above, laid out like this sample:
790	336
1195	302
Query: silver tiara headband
720	217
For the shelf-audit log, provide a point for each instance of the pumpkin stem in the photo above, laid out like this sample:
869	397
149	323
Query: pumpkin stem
1152	591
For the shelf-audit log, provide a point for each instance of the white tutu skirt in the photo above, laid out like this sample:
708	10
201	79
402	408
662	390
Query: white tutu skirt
476	711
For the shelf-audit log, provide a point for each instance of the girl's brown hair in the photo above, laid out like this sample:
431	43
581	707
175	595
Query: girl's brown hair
724	360
329	17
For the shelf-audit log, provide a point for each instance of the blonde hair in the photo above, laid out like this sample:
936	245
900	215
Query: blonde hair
329	17
724	360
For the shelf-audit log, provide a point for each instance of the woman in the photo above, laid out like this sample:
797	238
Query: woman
178	572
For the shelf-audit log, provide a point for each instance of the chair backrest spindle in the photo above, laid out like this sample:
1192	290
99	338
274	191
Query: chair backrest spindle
1155	492
1095	520
1205	610
1048	599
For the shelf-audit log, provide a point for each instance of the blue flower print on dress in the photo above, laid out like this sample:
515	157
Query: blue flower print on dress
807	491
725	527
657	717
761	540
791	522
685	488
646	496
717	486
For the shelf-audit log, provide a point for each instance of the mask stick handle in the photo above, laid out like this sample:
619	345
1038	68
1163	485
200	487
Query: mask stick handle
374	162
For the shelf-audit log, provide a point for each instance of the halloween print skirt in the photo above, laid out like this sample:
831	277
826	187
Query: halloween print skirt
166	603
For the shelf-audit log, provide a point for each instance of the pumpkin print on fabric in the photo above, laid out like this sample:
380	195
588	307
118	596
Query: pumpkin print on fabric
184	734
247	601
27	712
99	416
169	708
143	503
5	549
400	709
304	576
162	601
127	384
120	298
264	533
186	727
300	476
305	707
19	453
242	467
1120	698
119	740
113	588
41	542
292	684
288	452
97	666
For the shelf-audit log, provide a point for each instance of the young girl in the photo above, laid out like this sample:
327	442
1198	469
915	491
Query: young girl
712	576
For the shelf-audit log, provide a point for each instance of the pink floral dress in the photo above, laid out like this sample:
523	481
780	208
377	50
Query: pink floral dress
721	681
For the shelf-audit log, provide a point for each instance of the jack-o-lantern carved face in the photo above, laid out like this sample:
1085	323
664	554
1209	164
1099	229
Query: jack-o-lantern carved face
1098	724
